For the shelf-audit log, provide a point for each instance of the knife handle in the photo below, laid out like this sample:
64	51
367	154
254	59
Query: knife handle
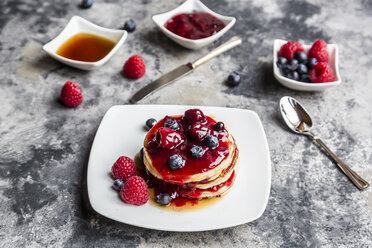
233	42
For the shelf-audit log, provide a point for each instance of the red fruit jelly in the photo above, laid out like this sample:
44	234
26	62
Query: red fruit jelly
160	154
195	25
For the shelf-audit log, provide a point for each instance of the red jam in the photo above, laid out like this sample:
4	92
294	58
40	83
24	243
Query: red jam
160	155
195	25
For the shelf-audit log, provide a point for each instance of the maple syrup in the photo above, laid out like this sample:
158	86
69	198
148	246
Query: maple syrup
86	47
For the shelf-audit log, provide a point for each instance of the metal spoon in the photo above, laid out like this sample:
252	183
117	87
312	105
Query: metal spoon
298	120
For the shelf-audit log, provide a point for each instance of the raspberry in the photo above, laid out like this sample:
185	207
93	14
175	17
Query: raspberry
289	49
194	115
321	73
199	131
135	191
123	168
319	51
134	67
71	94
168	138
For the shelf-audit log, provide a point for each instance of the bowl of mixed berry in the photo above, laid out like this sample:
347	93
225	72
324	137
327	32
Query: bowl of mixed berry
306	67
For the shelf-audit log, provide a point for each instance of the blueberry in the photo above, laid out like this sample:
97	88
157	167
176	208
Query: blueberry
285	71
129	26
311	62
218	126
175	162
118	183
163	199
305	78
293	75
150	123
233	79
172	124
141	154
197	151
281	63
211	141
292	64
301	57
86	4
302	69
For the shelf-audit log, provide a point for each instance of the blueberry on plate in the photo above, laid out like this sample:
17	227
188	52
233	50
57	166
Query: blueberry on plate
302	69
233	79
172	124
86	4
118	183
219	126
211	141
292	64
150	123
175	162
281	63
311	62
129	26
301	57
197	151
163	199
293	75
305	78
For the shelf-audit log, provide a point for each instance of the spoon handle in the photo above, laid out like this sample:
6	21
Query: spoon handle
359	182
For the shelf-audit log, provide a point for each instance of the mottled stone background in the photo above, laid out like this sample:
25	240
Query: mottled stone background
44	147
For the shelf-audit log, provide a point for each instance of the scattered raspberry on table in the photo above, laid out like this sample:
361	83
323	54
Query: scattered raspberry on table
71	95
134	67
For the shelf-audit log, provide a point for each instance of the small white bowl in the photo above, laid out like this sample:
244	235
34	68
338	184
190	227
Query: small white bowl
188	7
79	25
302	86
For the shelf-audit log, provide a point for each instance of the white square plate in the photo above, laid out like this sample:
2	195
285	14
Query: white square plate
122	133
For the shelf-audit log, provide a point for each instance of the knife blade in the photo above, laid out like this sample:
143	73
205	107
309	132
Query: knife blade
167	78
183	70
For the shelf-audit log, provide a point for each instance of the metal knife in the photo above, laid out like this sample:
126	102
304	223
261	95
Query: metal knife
183	70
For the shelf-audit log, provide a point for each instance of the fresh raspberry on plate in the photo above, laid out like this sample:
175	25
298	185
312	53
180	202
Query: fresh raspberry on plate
319	51
134	67
321	73
289	49
135	191
123	168
71	95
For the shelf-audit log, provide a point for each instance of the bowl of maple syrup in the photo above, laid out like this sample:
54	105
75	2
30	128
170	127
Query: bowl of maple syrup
85	45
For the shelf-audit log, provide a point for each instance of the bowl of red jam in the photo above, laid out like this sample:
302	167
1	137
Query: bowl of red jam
193	25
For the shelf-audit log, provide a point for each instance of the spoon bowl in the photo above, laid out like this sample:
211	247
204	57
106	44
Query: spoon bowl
295	115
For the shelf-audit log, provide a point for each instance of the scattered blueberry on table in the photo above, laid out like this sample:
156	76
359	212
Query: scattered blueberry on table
129	26
233	79
86	4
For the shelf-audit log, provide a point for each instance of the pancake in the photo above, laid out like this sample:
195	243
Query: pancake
204	169
209	192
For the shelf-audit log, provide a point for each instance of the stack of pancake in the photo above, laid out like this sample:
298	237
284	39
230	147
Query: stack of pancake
208	176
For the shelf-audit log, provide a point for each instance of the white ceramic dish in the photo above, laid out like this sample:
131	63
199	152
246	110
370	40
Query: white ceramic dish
122	133
297	85
188	7
79	25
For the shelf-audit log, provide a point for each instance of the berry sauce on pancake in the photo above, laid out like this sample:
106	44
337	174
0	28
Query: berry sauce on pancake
163	142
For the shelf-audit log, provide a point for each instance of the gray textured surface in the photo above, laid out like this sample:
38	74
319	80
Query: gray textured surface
44	146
